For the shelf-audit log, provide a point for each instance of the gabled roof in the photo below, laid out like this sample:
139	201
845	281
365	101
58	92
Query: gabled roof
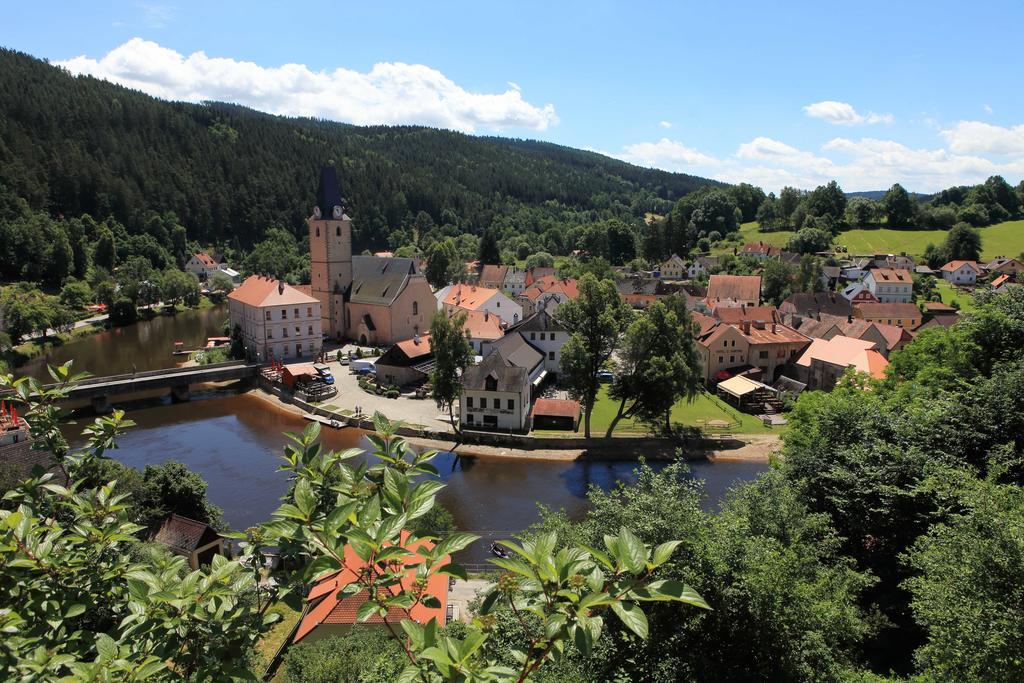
469	297
324	606
541	321
379	281
538	272
206	259
493	274
550	283
956	265
939	308
415	348
737	314
891	275
184	534
483	325
846	352
674	260
760	248
509	377
887	310
736	287
264	291
805	303
1000	261
1005	277
517	351
556	407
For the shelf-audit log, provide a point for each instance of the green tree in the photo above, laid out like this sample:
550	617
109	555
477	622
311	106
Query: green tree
25	310
488	252
776	281
810	241
220	284
178	286
276	256
962	243
899	208
443	262
540	259
595	321
452	355
827	200
862	212
657	366
810	276
76	294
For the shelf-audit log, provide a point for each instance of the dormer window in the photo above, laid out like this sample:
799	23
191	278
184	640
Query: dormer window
491	383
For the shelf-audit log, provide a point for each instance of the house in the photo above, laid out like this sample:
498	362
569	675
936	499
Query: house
896	261
276	320
831	276
856	268
375	300
1004	265
960	272
196	541
924	269
515	281
482	329
202	265
17	453
407	362
546	335
813	304
738	289
759	250
556	413
536	273
477	298
547	293
907	316
674	268
640	292
701	265
734	315
825	360
758	348
492	276
890	285
888	338
496	394
857	293
329	612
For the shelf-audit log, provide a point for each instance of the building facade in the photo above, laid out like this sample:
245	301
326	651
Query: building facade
890	285
961	272
276	320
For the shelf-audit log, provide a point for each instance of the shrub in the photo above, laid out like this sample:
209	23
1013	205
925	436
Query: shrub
366	653
393	393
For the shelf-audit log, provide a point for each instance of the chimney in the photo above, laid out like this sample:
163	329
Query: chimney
773	328
849	317
280	287
416	338
746	327
487	316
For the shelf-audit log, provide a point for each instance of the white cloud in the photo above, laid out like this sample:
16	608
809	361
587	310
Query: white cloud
390	93
666	154
665	124
987	108
154	15
843	114
978	137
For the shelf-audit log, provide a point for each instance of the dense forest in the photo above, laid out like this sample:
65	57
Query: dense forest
77	145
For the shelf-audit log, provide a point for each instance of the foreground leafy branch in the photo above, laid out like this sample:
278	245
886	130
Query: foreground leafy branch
338	499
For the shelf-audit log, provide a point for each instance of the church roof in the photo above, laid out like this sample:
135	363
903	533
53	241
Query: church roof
379	281
328	195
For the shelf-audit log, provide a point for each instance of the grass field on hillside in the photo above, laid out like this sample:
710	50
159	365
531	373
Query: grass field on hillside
1002	239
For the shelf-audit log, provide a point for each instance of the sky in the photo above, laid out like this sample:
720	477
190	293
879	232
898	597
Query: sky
927	94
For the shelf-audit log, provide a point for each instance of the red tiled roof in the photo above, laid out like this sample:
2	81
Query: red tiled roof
891	275
483	325
549	283
493	274
760	247
556	407
887	310
737	287
206	259
1001	279
469	297
939	308
324	607
736	314
415	347
955	265
264	291
184	533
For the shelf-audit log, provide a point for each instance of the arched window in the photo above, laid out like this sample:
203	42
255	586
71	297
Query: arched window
415	307
337	231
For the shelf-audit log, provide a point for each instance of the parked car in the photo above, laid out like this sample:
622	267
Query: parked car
605	376
344	359
325	373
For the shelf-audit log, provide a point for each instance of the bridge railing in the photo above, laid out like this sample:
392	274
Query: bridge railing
198	369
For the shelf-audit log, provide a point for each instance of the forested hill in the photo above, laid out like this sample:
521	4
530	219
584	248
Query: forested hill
73	145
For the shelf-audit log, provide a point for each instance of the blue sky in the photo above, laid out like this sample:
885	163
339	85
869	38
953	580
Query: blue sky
927	94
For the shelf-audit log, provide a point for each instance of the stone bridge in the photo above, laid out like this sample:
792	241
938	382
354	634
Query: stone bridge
178	380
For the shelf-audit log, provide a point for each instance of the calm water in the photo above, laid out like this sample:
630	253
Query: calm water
235	442
145	345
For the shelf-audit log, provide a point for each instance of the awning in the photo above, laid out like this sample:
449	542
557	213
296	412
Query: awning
739	386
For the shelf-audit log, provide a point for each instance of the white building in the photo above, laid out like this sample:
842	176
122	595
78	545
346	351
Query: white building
202	265
277	320
473	298
544	333
497	393
890	285
961	272
515	281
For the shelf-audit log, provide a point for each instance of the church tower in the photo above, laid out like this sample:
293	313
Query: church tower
330	250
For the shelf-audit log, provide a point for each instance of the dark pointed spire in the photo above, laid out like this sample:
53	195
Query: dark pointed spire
328	195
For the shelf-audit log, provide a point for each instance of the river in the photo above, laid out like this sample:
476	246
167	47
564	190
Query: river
235	442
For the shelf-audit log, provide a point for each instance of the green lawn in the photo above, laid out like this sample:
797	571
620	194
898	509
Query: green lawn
1002	239
275	637
950	294
705	407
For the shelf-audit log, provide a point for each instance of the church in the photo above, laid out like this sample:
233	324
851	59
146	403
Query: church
368	299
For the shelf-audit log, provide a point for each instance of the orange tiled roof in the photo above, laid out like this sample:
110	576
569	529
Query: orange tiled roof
556	407
887	310
264	291
483	325
846	352
955	265
889	275
324	607
738	287
469	297
415	347
206	259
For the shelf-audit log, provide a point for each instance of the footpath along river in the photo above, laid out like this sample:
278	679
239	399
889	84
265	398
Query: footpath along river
235	442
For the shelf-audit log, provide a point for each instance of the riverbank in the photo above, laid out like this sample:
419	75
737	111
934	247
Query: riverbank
748	448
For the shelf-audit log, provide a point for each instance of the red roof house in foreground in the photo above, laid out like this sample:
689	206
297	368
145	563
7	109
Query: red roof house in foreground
327	615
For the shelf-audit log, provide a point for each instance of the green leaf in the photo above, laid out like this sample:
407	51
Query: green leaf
456	570
599	556
632	616
305	501
366	610
390	528
631	551
454	543
74	610
676	591
663	552
488	604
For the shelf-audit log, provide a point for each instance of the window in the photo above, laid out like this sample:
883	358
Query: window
309	312
511	404
296	313
732	359
298	331
533	336
415	307
483	402
551	355
721	359
490	420
270	333
284	314
310	330
469	401
284	332
268	315
337	231
499	304
763	354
